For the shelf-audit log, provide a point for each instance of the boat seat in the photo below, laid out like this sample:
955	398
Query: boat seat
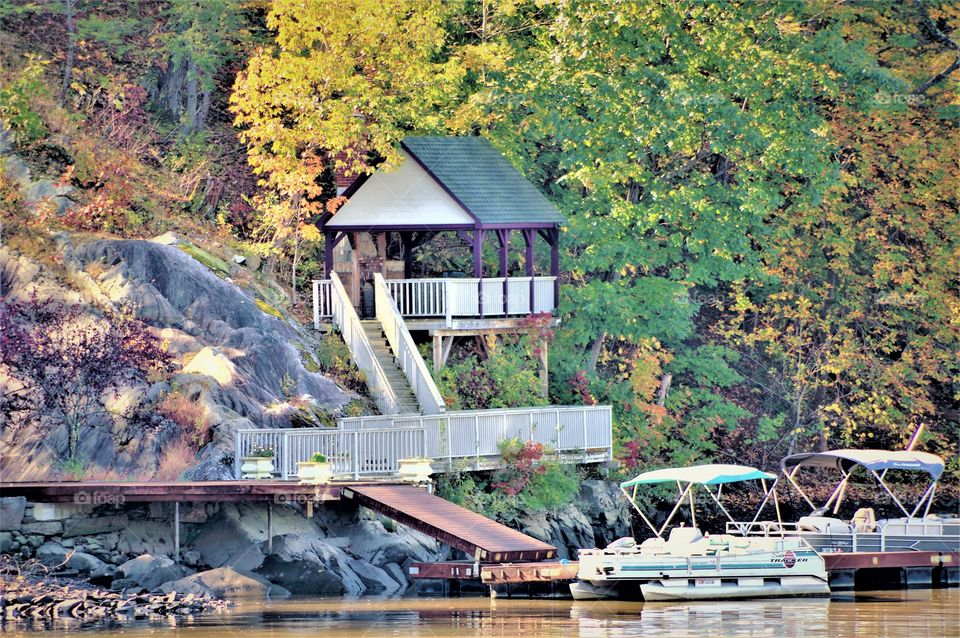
864	521
823	524
685	535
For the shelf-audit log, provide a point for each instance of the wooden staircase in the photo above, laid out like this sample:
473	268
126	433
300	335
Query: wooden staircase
395	377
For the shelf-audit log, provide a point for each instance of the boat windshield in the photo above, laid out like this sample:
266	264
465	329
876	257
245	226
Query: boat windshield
877	462
706	477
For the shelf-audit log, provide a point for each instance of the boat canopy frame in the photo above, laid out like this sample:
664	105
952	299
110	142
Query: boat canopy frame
705	476
877	463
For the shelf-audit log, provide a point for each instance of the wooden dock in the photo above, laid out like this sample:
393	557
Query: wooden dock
551	571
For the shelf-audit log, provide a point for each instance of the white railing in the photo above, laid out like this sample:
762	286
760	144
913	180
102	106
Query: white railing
353	453
450	298
347	321
364	446
476	434
405	350
322	302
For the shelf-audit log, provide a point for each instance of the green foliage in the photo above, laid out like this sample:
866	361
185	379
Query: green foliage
318	458
335	361
267	308
508	378
18	98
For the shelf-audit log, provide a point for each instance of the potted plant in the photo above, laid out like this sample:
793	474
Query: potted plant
259	465
415	469
318	470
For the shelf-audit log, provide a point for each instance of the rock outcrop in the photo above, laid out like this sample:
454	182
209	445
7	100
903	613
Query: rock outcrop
598	517
239	363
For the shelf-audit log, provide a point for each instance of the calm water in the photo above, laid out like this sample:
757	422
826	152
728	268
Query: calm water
899	614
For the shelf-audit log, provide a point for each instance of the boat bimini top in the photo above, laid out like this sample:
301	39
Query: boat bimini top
877	462
705	476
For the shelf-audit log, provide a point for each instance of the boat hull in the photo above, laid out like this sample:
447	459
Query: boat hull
715	589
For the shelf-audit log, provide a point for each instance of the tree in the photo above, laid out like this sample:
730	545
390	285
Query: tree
349	77
201	43
667	132
57	363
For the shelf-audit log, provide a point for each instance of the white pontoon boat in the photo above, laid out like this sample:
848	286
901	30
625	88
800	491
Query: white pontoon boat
690	565
916	530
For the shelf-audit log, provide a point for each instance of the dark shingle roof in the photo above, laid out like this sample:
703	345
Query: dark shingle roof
483	180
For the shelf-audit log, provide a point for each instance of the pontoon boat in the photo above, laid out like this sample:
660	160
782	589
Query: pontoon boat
916	530
690	565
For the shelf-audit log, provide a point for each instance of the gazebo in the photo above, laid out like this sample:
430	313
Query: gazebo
456	184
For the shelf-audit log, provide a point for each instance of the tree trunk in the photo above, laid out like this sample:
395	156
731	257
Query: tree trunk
190	111
593	353
71	52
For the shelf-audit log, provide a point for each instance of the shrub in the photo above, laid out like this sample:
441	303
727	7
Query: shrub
16	98
334	358
177	458
191	416
59	362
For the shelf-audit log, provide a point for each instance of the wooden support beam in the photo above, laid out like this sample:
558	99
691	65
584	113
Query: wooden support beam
478	265
269	527
328	245
176	532
355	265
447	346
437	352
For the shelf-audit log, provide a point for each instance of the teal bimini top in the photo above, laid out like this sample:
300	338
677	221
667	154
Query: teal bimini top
712	474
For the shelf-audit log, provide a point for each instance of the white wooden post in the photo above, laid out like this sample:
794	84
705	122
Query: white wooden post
236	455
447	305
316	304
354	454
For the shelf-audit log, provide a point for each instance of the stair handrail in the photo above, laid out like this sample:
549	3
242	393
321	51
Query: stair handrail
405	350
346	320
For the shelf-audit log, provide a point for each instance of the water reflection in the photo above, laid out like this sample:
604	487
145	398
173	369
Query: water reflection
897	614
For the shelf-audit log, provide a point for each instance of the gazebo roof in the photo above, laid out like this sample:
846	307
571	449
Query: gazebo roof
446	182
482	180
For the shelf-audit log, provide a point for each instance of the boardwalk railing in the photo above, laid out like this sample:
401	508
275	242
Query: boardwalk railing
452	298
364	446
322	306
353	453
405	350
475	435
347	321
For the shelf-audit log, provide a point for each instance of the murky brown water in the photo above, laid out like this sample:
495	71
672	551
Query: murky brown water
893	614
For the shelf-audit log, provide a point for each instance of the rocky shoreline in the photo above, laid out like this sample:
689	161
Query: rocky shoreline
40	598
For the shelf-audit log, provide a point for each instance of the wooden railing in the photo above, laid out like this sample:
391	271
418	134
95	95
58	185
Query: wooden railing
585	431
353	453
347	321
364	446
322	306
405	350
451	298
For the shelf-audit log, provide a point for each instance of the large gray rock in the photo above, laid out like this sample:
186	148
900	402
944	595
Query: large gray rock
311	566
226	582
88	565
149	572
603	504
11	512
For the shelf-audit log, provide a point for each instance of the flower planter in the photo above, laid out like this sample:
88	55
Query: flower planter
257	467
315	473
415	470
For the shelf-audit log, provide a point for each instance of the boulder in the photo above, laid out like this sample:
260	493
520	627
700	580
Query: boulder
149	572
94	525
11	512
604	505
313	566
226	582
51	553
88	565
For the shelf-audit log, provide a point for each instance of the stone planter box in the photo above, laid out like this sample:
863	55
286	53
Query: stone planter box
315	473
257	467
415	470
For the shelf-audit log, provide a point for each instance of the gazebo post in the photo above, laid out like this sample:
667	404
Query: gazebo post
328	244
354	239
555	265
406	238
478	265
504	237
529	236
